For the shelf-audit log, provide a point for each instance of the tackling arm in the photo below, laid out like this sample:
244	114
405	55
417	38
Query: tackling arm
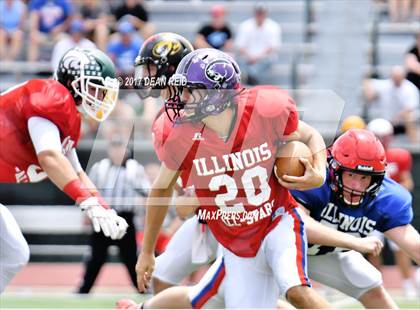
321	234
79	188
65	172
407	238
57	167
45	137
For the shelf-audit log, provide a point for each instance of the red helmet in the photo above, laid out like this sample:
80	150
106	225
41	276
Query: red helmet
358	151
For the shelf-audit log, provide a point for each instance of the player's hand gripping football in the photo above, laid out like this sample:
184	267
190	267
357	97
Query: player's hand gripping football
368	245
144	269
311	179
104	219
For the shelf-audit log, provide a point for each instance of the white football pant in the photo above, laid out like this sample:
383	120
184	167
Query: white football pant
348	272
257	282
192	246
14	250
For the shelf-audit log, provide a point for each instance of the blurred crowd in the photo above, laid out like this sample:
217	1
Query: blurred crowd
396	97
45	29
44	26
401	11
36	30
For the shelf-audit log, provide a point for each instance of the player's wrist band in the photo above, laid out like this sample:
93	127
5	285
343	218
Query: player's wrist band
76	190
101	199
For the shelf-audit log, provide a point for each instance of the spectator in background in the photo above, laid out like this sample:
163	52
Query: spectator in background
400	10
399	165
13	15
76	38
394	99
134	12
258	41
96	15
412	63
123	49
217	33
48	20
123	183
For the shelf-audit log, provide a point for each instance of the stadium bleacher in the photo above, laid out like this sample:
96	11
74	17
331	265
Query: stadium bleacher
316	64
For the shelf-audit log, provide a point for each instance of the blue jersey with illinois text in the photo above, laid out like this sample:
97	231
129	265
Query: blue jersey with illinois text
390	208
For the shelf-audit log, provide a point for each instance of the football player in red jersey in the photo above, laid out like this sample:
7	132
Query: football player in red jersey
39	131
226	139
192	245
157	61
399	163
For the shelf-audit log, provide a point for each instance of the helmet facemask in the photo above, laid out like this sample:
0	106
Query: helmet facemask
99	95
205	83
151	76
193	101
339	188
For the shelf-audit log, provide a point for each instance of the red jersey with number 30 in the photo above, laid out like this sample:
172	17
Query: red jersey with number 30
240	198
43	98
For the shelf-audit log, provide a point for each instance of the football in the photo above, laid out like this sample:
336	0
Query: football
287	161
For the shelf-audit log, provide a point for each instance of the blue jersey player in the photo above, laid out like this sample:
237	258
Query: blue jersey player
357	199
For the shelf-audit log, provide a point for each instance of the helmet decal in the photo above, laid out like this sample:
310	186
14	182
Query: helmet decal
157	60
215	74
164	48
224	73
89	75
72	63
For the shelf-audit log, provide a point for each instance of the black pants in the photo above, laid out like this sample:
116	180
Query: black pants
99	245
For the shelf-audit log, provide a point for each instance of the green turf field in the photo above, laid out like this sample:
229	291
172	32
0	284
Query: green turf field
62	302
108	302
403	303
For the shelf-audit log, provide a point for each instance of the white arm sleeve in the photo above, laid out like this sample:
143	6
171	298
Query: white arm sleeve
44	134
74	160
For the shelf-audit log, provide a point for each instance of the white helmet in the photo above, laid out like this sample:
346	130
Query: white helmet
380	127
89	74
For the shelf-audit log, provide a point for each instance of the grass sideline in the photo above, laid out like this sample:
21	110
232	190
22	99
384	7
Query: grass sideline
350	303
63	301
107	301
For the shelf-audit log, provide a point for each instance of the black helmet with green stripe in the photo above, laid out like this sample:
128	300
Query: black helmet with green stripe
89	75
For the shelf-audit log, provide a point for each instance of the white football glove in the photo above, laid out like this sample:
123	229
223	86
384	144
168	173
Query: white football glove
107	220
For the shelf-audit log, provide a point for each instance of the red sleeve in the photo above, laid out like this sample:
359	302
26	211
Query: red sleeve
277	105
292	119
50	100
163	143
